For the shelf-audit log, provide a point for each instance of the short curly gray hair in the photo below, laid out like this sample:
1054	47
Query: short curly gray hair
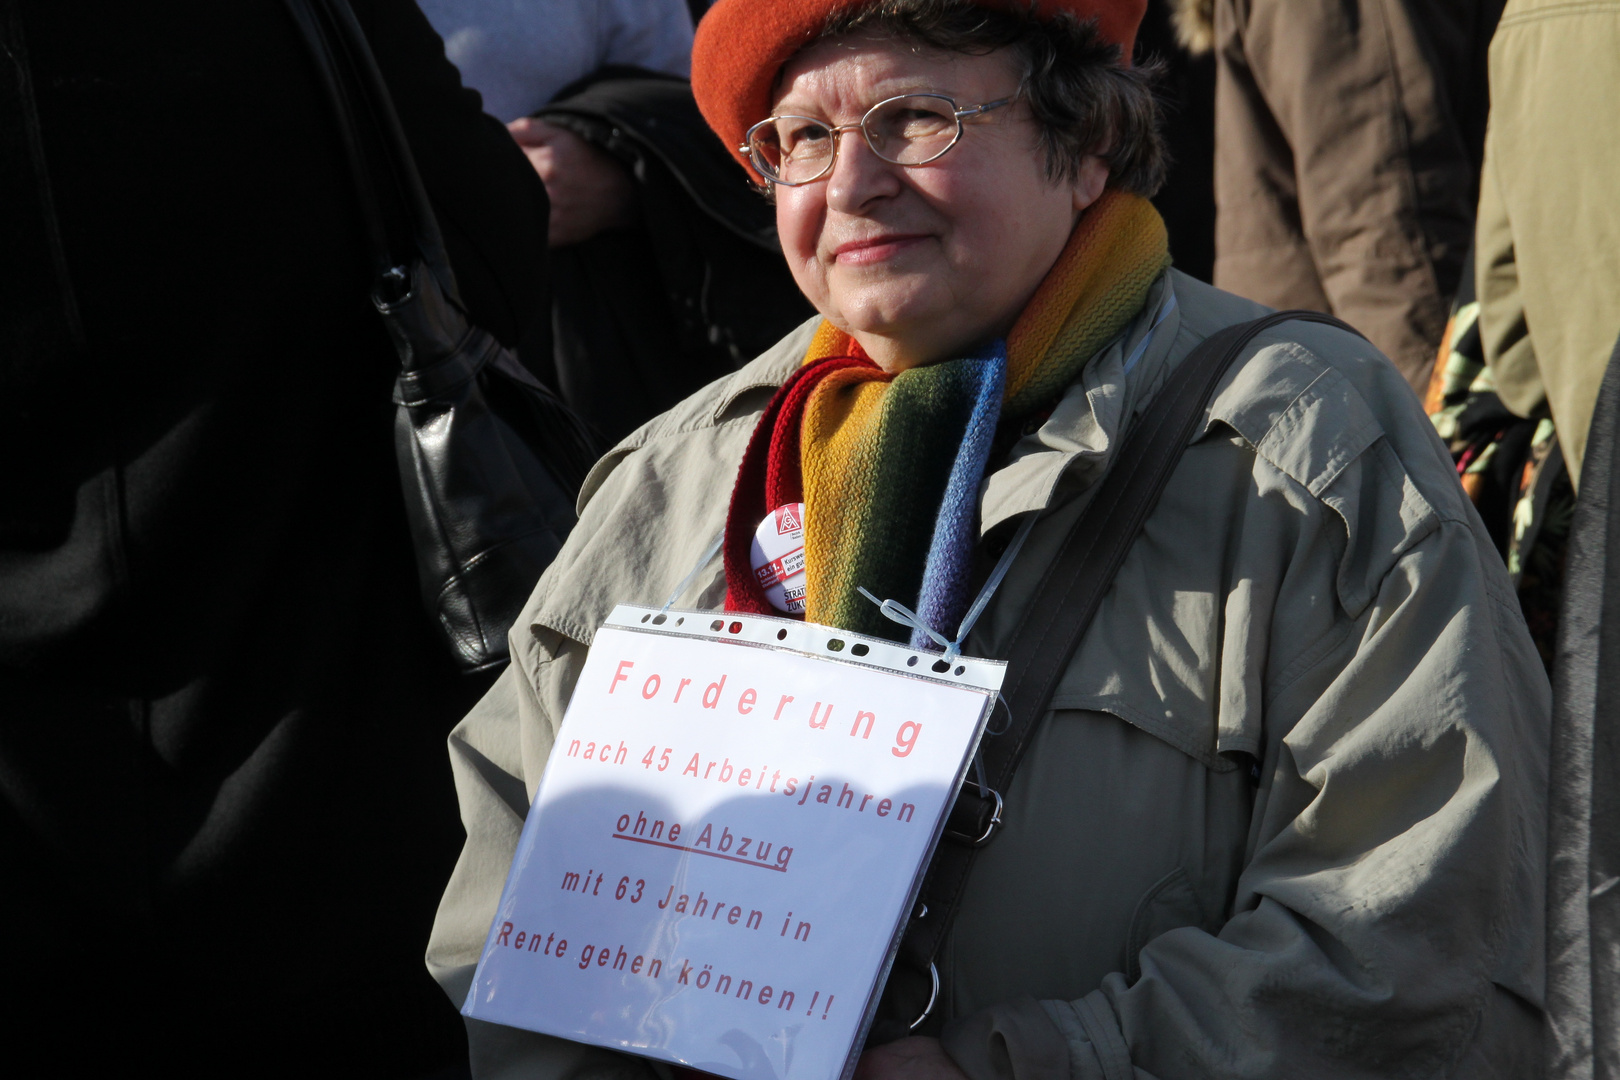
1083	99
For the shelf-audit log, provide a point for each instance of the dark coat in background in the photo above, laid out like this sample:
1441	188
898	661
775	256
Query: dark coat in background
225	814
1349	135
1186	93
1583	911
644	317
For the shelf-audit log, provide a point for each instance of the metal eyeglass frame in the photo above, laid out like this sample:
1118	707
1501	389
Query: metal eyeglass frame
746	149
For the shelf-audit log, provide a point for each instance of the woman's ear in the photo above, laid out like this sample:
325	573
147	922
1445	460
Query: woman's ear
1089	181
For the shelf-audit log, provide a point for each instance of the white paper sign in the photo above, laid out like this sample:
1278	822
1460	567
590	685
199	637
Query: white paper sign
727	839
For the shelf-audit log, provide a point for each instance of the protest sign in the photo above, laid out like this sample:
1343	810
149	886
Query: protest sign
727	839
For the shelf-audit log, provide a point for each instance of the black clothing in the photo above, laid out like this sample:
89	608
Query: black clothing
1186	92
225	810
1583	831
644	317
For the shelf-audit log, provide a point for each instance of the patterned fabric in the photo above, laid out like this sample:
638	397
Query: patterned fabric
889	465
1511	467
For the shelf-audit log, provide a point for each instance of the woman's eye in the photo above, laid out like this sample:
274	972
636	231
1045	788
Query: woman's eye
915	122
805	133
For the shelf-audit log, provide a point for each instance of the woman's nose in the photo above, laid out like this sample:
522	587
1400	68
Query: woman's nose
859	175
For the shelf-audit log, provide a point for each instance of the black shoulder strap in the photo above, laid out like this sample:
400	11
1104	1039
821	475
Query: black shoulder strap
1066	601
394	206
38	306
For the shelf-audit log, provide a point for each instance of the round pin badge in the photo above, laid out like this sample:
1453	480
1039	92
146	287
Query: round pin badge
778	557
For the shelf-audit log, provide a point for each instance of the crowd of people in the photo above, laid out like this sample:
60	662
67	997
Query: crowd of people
1331	769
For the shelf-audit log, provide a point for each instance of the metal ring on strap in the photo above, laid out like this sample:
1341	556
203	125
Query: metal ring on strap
933	996
989	829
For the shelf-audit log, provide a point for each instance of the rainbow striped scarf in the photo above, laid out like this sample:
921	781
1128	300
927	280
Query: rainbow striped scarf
889	466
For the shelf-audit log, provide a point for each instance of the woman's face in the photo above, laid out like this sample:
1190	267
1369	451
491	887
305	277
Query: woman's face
924	263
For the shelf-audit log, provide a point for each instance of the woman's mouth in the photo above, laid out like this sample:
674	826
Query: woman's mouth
875	249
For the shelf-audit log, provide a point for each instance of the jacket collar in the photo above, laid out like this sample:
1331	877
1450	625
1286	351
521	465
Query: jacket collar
1071	450
769	370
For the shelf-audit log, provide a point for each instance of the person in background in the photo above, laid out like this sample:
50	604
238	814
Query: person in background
1547	271
1548	282
224	812
1286	817
666	272
1348	138
519	53
1511	467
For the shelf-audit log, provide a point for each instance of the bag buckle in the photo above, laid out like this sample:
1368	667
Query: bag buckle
990	827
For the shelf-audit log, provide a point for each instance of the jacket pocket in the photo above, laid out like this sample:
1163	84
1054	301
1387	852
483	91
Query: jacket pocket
1169	904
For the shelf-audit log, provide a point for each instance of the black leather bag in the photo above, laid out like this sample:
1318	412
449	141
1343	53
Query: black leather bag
490	459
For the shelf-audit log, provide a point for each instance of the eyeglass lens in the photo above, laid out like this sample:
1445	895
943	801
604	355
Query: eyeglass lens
905	131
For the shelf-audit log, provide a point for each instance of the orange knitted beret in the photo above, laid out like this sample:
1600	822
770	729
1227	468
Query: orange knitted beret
742	44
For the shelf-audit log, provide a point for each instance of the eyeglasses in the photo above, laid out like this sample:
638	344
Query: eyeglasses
912	129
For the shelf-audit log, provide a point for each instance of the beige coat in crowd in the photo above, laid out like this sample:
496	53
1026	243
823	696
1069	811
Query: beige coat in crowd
1348	137
1285	817
1548	264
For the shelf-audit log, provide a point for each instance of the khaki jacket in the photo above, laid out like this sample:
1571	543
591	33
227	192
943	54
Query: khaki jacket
1348	136
1286	814
1548	264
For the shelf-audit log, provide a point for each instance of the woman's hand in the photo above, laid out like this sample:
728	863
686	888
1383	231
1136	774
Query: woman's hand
590	190
916	1058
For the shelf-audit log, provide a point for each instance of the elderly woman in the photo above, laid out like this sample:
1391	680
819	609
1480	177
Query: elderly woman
1284	815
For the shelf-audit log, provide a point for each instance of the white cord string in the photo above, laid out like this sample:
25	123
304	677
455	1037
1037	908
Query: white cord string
897	612
978	772
708	554
991	584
